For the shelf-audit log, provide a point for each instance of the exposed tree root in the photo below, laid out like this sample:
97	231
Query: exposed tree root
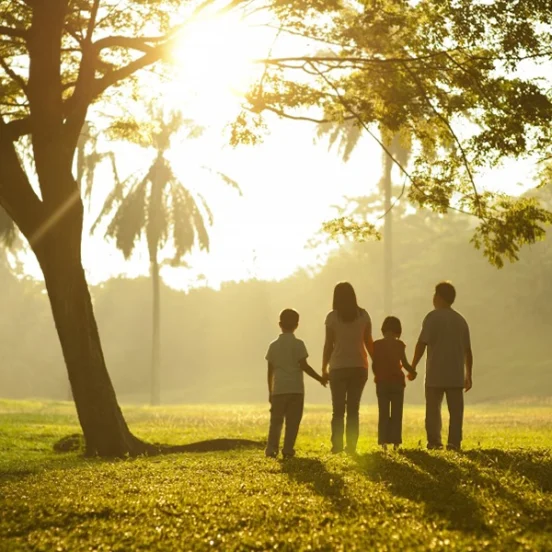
75	442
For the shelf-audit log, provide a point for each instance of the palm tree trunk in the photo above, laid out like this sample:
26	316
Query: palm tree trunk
105	430
156	334
387	239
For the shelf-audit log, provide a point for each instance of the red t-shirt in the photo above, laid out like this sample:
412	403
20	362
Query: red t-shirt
387	364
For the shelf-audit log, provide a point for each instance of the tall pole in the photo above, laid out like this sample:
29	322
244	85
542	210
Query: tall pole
387	238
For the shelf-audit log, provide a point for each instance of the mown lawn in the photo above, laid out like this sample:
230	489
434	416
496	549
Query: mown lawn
495	495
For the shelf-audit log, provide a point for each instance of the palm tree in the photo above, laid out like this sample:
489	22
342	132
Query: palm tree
397	150
157	206
398	145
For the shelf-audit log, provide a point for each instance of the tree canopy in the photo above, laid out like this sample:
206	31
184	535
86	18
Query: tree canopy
456	77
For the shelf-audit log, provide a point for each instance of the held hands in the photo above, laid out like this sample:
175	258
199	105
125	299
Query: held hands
324	380
412	375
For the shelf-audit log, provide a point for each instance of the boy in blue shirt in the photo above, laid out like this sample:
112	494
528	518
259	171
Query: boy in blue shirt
287	360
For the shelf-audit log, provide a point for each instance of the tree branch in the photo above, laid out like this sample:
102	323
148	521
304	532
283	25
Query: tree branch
285	115
335	60
17	128
92	22
445	121
13	75
135	43
155	54
16	194
13	32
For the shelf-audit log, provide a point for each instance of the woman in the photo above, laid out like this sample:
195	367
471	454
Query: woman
348	342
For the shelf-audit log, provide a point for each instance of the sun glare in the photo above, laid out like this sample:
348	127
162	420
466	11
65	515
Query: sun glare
215	63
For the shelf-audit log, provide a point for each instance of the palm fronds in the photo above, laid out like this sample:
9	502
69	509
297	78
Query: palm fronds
129	219
346	135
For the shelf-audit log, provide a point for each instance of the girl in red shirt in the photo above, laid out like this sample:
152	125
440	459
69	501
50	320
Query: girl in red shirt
388	364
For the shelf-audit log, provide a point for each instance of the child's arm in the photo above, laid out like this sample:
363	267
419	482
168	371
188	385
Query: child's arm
310	372
270	378
406	365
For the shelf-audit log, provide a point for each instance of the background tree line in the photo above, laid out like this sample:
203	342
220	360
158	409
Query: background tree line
214	341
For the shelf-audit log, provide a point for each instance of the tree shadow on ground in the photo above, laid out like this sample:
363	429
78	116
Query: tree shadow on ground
313	473
431	480
75	442
534	466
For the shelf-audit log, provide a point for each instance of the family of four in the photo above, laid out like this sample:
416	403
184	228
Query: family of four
348	344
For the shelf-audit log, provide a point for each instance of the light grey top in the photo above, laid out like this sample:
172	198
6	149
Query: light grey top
447	336
284	354
349	350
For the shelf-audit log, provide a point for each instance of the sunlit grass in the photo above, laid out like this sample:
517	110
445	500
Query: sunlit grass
495	495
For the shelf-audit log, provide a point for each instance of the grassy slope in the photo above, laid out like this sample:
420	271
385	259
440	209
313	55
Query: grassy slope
495	495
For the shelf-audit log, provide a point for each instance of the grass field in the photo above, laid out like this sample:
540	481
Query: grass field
495	495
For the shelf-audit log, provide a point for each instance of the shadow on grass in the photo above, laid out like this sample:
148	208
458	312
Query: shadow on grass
484	473
75	442
65	522
74	455
313	473
534	466
429	479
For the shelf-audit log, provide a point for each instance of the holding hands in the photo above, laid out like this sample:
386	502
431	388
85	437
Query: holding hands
412	376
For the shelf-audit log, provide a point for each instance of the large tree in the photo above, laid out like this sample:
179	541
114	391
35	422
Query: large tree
58	58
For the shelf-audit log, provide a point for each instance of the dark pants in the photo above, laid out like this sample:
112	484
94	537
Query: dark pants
288	407
346	385
390	405
455	403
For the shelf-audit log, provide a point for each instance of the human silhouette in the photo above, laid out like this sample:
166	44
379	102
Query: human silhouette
345	361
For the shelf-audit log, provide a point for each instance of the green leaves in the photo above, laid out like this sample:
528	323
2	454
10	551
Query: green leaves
452	77
351	228
508	224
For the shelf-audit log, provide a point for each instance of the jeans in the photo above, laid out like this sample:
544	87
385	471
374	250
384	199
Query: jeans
433	422
390	405
288	407
346	385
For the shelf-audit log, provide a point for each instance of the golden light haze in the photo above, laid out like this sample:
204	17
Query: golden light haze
291	183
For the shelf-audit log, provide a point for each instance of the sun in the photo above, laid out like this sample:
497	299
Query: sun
215	63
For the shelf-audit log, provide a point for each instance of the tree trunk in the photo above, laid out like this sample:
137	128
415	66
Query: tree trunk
156	334
105	430
387	239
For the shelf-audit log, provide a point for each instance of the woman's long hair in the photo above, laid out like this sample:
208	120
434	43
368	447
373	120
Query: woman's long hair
345	302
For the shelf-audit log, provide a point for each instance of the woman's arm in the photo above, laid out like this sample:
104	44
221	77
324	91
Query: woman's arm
368	341
328	349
